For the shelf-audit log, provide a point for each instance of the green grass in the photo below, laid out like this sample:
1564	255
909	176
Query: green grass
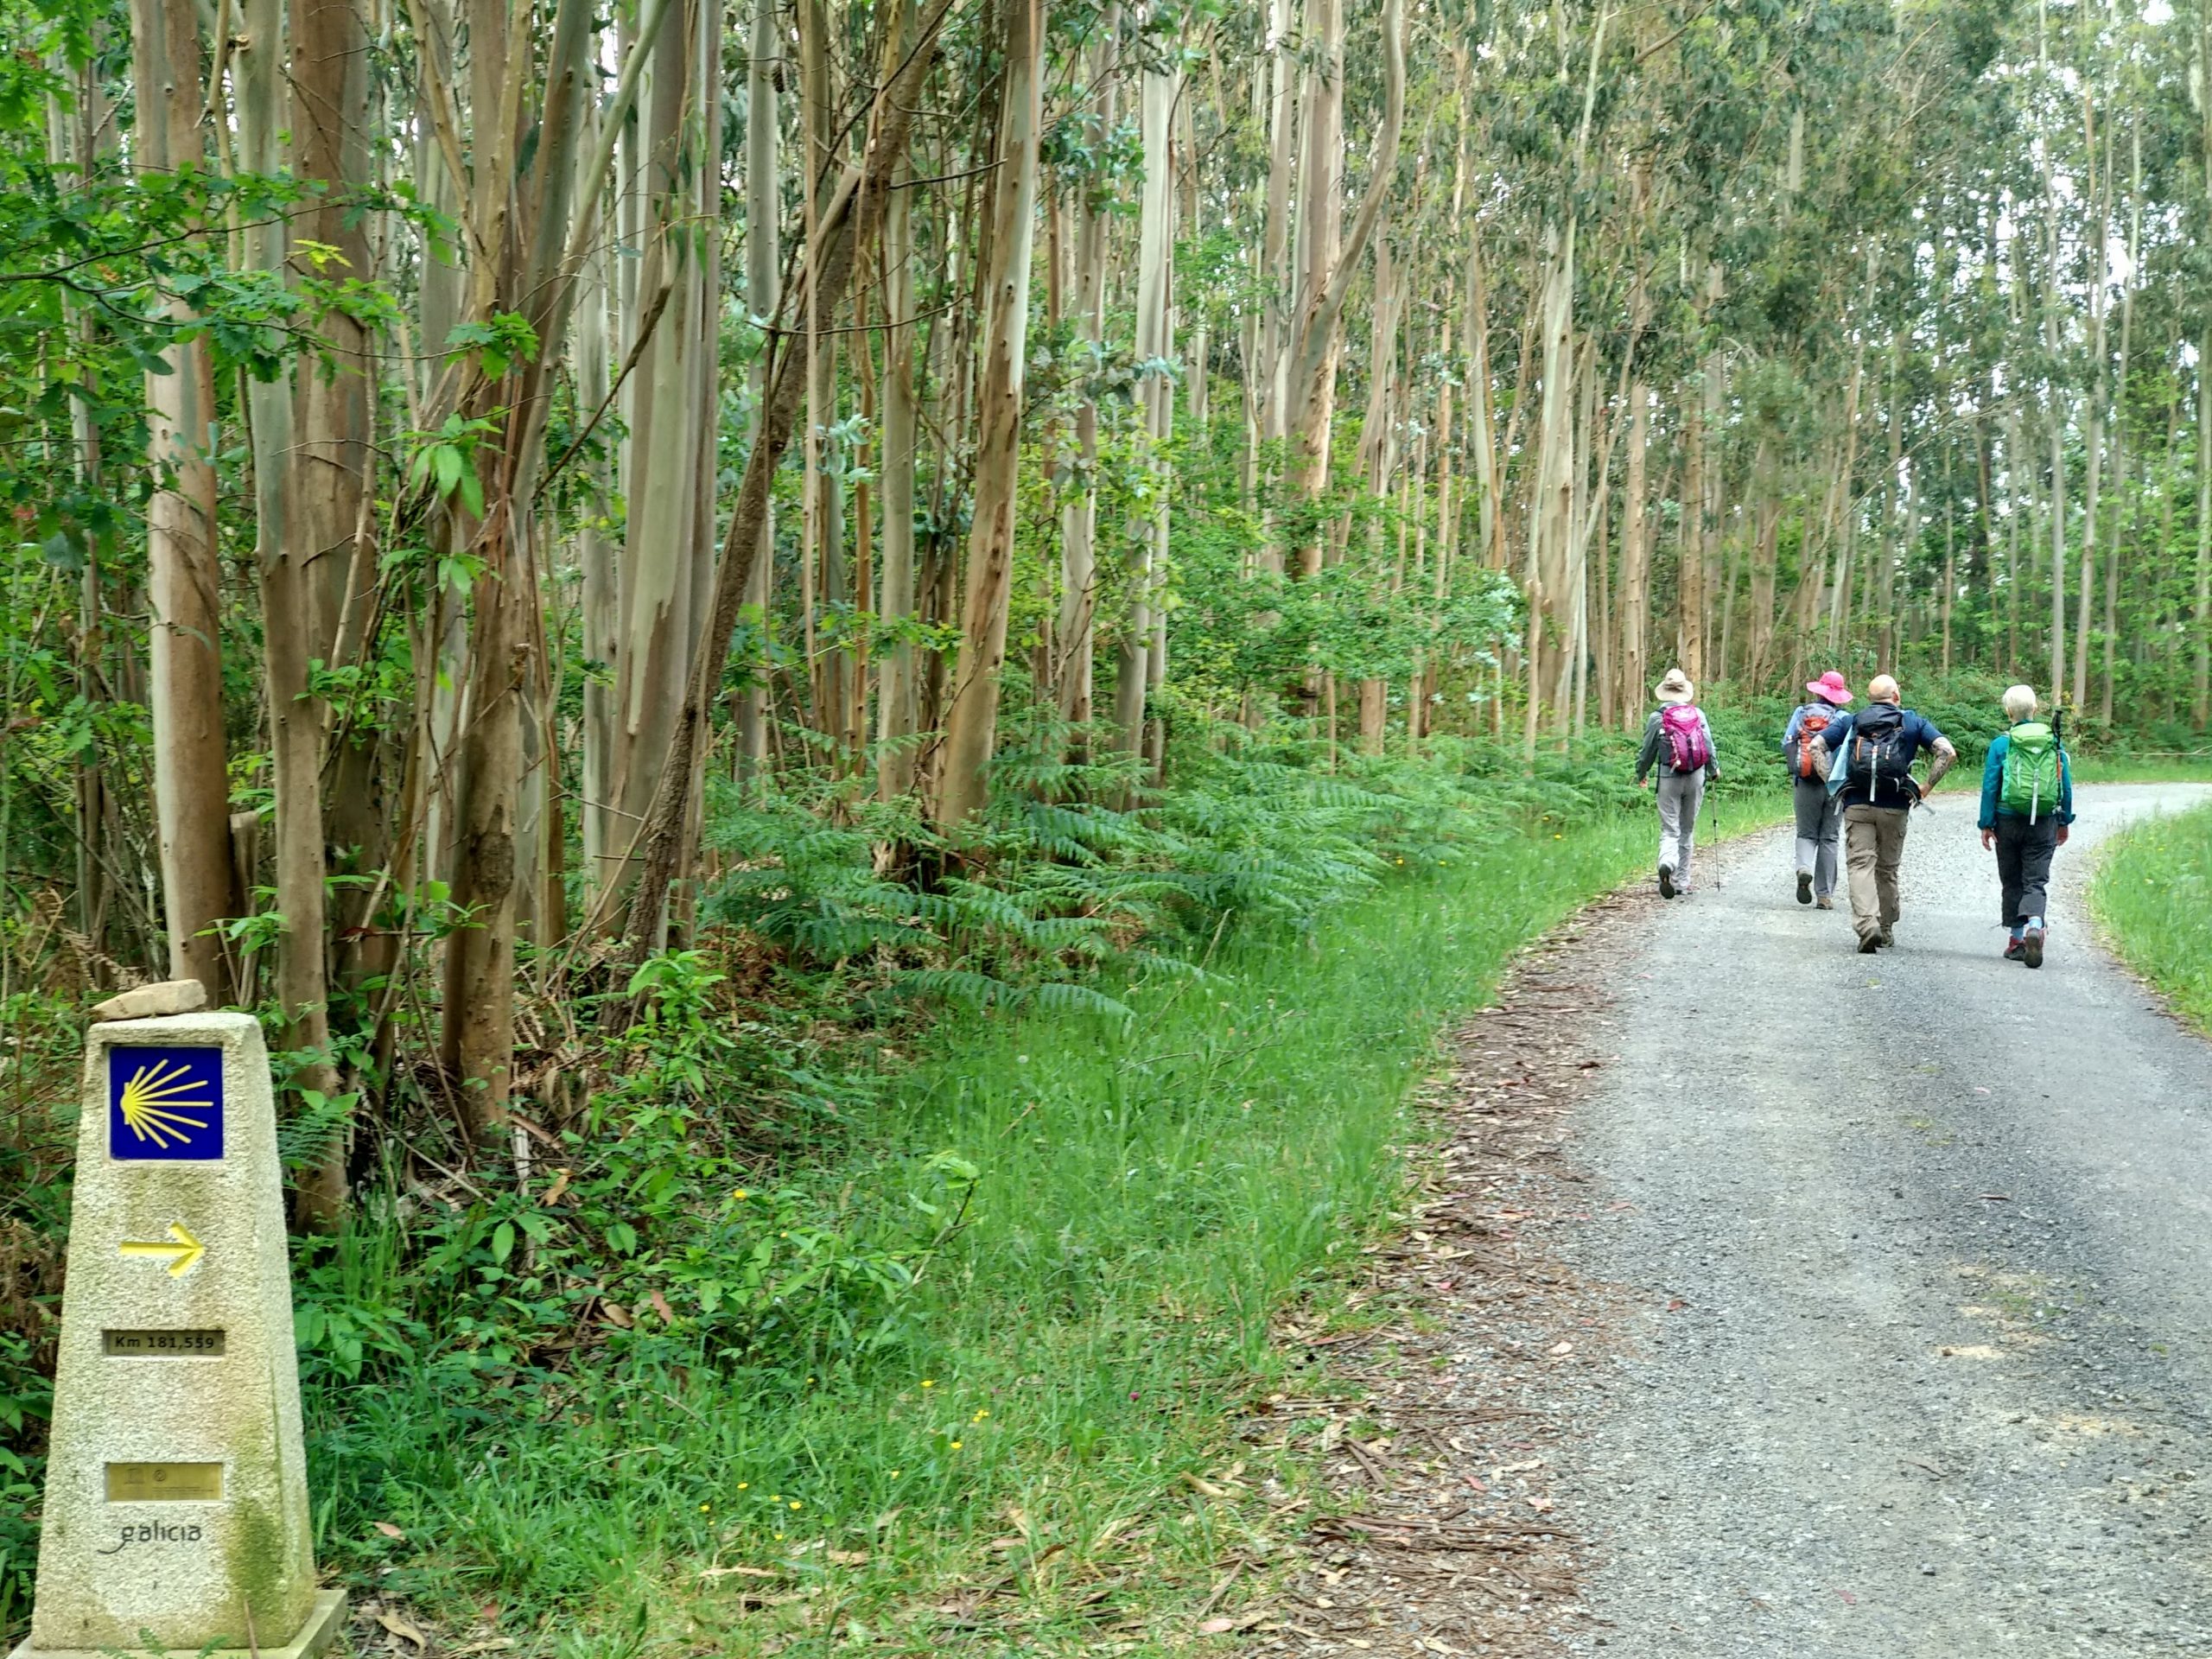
2152	893
2128	769
1030	1462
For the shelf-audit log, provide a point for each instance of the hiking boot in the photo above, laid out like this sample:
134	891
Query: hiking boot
1869	944
2032	947
1804	886
2015	949
1824	904
1884	938
1666	881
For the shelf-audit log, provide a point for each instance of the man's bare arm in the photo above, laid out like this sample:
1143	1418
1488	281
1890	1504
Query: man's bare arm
1946	758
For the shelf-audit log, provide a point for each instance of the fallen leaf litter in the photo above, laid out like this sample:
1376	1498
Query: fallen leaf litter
1448	1424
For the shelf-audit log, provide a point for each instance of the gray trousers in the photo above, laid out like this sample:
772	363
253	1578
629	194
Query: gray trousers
1680	794
1819	826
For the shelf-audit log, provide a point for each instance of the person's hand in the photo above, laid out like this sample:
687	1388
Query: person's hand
2061	835
1645	782
1989	839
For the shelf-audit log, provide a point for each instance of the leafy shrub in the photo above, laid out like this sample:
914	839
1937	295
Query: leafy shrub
650	1238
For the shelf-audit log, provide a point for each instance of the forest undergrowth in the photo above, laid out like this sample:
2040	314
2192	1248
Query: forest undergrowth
912	1248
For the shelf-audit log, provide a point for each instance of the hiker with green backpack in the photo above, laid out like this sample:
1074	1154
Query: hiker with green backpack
2027	807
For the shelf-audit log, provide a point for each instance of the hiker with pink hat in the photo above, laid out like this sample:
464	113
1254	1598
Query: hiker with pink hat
1820	814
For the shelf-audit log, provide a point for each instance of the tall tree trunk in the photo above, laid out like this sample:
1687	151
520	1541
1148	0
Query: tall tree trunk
763	292
971	723
1327	268
2120	495
851	225
184	575
1079	509
1277	329
663	540
1134	654
898	708
329	505
530	264
285	561
1636	569
2093	442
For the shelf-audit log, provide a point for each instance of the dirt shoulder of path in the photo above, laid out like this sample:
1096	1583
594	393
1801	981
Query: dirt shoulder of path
1443	1427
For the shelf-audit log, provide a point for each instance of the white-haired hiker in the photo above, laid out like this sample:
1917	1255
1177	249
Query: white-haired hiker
2027	807
1679	741
1870	768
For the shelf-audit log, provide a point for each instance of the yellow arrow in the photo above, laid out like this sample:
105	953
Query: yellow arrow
183	1256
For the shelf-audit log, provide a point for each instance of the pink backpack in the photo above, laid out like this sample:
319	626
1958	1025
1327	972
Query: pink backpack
1688	749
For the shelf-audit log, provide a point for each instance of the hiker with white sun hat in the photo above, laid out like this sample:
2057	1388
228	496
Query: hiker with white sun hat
1678	742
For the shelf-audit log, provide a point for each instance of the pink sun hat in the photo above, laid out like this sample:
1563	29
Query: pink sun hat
1830	686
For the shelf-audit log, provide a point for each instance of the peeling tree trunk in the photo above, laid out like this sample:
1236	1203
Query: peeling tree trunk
330	503
971	723
1079	511
1636	569
656	577
184	576
1134	653
898	697
1327	268
283	559
763	291
851	225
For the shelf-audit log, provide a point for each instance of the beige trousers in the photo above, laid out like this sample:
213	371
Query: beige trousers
1873	844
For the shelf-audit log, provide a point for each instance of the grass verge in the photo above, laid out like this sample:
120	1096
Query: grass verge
2153	894
1043	1453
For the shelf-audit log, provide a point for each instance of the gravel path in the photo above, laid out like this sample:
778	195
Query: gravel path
1920	1247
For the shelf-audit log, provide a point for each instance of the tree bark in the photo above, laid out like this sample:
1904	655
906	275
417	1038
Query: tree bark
1635	570
1328	268
972	722
1134	652
285	563
184	575
852	222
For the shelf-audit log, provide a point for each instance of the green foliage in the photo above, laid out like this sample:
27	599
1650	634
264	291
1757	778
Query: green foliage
1056	1318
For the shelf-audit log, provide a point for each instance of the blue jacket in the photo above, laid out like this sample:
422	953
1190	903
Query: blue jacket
1918	732
1992	781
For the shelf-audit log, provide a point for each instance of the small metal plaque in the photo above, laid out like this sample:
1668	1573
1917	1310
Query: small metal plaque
161	1344
164	1483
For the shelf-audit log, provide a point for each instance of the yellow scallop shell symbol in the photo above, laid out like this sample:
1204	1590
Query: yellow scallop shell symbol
153	1103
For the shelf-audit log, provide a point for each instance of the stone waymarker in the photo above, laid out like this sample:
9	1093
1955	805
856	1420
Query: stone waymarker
176	1500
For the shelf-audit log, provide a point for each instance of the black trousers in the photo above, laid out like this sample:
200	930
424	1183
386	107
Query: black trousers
2023	851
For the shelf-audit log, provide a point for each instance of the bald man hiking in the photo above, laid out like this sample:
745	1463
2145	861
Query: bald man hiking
1870	770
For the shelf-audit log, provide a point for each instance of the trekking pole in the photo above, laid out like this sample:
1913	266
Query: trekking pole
1712	821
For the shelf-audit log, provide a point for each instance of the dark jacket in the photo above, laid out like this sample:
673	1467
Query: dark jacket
1918	733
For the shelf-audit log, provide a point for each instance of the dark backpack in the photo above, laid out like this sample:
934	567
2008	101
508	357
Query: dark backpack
1687	747
1881	757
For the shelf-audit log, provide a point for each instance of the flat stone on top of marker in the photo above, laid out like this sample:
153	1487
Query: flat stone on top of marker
165	996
